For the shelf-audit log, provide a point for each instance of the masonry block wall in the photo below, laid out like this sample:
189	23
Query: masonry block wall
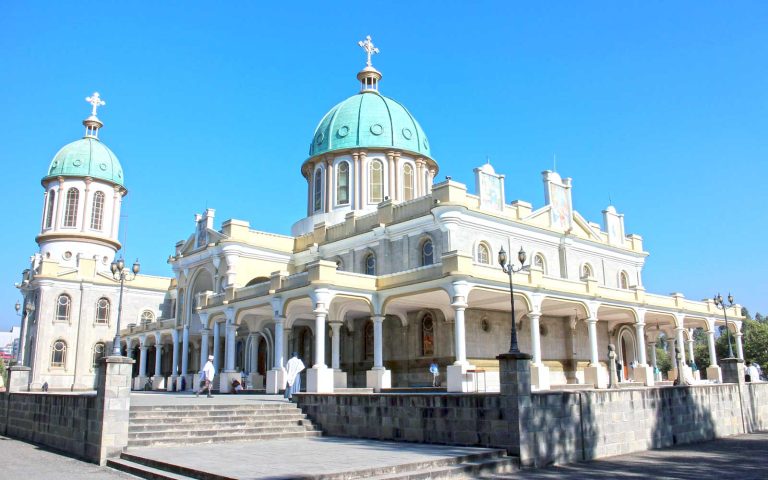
564	426
63	422
443	419
92	426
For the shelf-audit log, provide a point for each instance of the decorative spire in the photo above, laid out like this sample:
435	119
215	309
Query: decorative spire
92	123
369	48
369	77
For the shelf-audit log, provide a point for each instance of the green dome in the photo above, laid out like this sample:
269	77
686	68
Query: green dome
87	157
369	120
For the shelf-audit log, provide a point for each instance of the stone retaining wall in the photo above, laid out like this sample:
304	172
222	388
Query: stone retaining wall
63	422
92	426
563	426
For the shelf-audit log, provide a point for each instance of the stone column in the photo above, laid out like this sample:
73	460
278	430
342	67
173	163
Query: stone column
339	377
175	363
378	377
216	346
275	377
430	180
594	374
672	375
230	347
363	181
143	364
158	380
22	334
204	348
515	400
320	377
328	183
458	378
113	403
539	372
185	351
226	376
115	220
680	348
739	346
713	370
642	372
357	183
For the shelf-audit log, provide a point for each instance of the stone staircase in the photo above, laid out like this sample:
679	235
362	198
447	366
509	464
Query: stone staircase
490	463
193	424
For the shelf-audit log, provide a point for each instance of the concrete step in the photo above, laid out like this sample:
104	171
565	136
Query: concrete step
182	440
201	405
211	408
154	420
210	412
217	432
467	466
222	424
143	471
465	470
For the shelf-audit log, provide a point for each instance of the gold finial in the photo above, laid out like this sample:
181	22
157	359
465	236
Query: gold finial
369	48
95	101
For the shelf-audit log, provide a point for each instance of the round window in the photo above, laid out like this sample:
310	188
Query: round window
343	131
407	134
377	129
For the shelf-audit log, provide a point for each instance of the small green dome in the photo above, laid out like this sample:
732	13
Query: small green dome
369	120
87	157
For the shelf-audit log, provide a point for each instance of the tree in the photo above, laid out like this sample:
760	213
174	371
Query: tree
745	313
759	317
755	341
3	373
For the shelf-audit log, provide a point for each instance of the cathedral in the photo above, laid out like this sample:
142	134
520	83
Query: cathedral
388	272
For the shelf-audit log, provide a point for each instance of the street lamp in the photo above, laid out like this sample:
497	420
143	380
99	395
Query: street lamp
719	303
509	269
119	273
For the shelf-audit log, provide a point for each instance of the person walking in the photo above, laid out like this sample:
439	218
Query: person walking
207	377
435	371
292	378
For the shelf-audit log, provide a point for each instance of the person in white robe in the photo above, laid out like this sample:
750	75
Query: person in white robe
293	368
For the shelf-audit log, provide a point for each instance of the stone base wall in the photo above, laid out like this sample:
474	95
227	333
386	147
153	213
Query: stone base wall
756	406
92	425
63	422
444	419
563	426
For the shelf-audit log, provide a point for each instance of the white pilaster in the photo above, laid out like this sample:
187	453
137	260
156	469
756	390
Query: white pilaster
175	363
378	377
276	376
594	374
539	372
216	346
185	350
739	346
204	336
713	370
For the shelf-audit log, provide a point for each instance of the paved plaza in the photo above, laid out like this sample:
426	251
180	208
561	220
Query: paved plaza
743	457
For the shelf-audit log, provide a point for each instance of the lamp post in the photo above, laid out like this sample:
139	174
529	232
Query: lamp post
509	269
17	307
720	304
120	273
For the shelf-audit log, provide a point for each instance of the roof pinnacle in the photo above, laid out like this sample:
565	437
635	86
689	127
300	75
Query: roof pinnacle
369	77
92	123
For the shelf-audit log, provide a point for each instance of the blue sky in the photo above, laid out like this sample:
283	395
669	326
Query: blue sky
660	106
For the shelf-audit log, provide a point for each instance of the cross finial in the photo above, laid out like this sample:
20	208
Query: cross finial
369	48
95	101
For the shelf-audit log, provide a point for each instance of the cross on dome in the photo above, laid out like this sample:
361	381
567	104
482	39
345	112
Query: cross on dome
369	48
96	101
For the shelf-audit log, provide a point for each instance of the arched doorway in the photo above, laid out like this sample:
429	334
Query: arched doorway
627	353
261	362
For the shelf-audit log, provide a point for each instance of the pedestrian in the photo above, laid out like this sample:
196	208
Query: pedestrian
435	371
292	378
752	374
206	377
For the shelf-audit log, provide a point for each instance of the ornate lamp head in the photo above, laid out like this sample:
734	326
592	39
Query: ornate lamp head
136	267
502	257
521	256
